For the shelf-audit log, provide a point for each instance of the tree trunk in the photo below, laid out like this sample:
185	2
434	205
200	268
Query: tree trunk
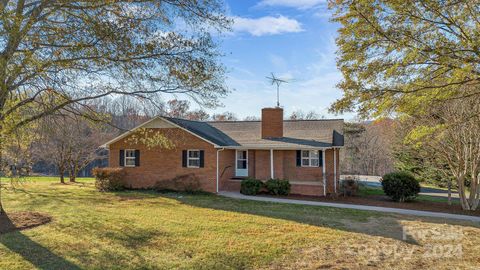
61	170
72	169
72	174
474	191
461	193
1	205
2	211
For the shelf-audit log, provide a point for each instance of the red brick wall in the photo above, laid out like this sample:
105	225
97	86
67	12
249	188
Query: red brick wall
309	190
226	169
294	173
284	167
329	162
162	164
272	122
262	164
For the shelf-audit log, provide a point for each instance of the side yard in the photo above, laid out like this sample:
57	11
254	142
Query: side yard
374	196
142	229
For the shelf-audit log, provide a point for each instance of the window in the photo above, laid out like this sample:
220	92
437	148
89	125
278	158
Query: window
310	158
129	158
193	158
242	159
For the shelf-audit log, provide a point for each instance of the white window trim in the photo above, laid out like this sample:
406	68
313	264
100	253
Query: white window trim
125	158
193	158
236	160
309	158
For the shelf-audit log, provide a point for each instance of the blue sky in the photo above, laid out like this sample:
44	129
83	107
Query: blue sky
291	38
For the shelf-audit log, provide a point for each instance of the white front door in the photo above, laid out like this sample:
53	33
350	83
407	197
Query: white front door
241	163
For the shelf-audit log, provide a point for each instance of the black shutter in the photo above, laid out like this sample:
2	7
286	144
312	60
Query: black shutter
202	158
299	158
320	158
137	158
184	158
122	158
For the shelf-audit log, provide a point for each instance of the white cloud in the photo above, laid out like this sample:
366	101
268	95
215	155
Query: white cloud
266	25
300	4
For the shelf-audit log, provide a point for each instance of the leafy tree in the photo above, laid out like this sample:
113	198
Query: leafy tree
450	131
54	54
400	56
418	60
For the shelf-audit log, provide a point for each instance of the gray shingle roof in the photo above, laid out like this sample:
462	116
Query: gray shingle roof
204	130
297	133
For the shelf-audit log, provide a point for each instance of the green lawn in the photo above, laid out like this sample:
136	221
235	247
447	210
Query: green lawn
147	230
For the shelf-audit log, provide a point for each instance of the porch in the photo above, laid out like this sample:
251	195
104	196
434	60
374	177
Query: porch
310	171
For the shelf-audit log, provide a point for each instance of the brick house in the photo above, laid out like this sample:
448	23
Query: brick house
220	154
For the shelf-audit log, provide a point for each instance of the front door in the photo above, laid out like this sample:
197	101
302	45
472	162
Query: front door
241	167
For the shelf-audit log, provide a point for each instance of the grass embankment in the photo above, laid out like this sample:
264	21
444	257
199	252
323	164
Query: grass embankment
147	230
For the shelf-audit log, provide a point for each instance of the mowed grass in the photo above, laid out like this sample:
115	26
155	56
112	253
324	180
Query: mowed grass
148	230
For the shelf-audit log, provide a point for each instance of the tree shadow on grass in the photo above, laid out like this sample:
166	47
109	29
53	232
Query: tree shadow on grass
38	255
351	220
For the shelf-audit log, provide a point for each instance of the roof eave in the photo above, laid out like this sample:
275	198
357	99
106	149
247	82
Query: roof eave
246	147
107	144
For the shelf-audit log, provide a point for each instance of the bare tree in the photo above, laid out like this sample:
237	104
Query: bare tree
368	149
84	145
68	142
301	115
178	108
198	115
52	146
251	118
225	116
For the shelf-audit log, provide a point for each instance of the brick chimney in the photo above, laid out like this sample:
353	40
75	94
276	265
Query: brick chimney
272	122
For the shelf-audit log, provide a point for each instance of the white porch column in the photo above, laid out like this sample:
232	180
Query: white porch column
335	170
323	173
271	163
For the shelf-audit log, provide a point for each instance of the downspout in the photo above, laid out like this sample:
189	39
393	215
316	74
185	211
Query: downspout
335	170
323	172
271	164
218	152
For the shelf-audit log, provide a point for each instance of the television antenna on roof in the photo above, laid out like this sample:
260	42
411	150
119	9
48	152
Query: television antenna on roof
276	81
